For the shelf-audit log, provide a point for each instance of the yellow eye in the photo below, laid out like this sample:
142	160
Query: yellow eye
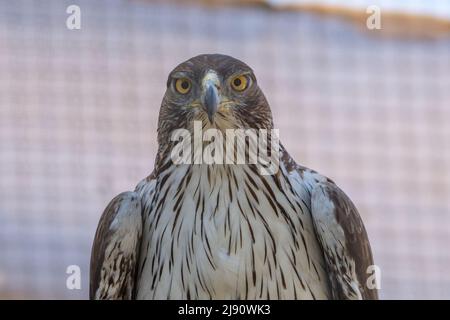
240	83
183	85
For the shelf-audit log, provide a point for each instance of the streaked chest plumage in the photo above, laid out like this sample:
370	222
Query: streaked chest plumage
226	232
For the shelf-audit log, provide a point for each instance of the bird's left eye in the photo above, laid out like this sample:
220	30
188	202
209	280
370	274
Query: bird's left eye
240	83
183	85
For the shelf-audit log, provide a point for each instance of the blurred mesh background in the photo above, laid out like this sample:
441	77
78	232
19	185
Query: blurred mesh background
78	113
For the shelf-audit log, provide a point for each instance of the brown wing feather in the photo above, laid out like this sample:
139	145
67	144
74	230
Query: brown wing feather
344	241
115	249
341	234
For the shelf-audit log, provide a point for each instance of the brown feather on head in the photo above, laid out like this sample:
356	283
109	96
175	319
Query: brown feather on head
218	90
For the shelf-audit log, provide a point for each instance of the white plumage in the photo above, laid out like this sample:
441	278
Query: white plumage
218	244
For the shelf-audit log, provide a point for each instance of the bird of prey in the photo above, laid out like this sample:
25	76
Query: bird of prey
226	231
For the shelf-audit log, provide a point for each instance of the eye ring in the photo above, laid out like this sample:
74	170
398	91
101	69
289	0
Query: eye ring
240	83
183	85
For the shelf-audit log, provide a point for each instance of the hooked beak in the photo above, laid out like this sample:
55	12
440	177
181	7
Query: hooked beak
211	100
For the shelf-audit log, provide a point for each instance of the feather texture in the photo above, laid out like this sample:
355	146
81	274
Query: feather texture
344	242
116	248
225	231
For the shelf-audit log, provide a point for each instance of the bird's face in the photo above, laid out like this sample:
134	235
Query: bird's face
218	90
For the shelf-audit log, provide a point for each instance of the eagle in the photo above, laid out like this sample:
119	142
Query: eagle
226	230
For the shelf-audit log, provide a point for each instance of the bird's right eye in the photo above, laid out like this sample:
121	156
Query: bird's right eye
183	85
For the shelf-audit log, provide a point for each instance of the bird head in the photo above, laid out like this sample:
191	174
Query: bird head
219	91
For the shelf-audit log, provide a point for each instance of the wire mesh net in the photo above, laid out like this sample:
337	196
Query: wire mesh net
78	120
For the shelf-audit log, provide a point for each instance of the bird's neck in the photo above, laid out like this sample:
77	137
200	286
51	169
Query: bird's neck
221	149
